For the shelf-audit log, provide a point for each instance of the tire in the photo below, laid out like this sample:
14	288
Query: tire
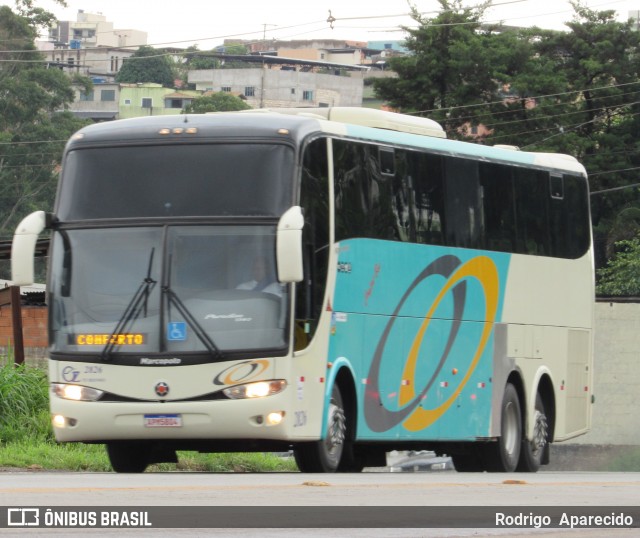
503	455
350	461
325	455
128	457
468	462
533	451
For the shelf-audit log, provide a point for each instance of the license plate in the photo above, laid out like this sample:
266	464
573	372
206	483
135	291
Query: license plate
162	421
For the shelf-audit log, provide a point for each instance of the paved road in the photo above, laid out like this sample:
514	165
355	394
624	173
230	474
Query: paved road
433	489
372	489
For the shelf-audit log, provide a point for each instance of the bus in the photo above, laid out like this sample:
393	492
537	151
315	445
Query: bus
335	282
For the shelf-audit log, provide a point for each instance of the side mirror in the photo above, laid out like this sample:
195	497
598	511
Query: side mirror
23	247
289	245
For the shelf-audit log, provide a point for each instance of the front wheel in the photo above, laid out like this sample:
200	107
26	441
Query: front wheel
324	456
503	455
129	457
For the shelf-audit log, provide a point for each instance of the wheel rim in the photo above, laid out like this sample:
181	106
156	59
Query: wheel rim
336	430
510	434
540	431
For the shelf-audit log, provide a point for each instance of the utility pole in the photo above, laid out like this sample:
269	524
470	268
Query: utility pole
263	47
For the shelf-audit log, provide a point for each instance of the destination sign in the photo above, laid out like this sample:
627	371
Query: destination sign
97	339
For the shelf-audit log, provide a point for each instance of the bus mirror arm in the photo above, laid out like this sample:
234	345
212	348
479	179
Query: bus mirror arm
289	245
23	247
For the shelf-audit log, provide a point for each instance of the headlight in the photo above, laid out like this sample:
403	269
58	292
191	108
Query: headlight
76	392
260	389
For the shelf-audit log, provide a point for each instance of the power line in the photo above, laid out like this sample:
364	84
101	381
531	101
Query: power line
562	132
615	188
563	114
614	171
544	96
517	100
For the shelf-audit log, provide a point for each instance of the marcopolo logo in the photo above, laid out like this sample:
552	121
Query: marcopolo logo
244	371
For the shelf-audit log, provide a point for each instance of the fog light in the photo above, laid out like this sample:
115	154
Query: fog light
275	418
58	421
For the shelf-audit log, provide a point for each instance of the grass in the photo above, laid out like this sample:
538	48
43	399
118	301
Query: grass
27	441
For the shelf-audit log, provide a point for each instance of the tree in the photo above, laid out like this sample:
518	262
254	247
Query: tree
621	276
147	65
572	92
217	102
447	67
37	17
33	127
196	59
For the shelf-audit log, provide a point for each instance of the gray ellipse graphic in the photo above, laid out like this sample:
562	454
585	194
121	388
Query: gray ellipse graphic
377	416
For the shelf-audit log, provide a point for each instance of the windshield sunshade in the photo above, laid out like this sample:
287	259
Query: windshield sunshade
176	181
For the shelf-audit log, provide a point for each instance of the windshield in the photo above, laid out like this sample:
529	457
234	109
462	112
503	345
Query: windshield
203	289
160	181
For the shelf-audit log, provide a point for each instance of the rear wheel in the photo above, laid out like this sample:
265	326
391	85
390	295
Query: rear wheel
129	457
324	456
503	455
533	451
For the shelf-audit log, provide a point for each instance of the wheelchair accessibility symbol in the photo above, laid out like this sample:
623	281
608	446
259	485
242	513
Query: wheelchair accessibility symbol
177	331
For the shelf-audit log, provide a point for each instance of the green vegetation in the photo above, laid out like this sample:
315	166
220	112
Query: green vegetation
570	91
217	102
621	276
34	125
26	436
147	65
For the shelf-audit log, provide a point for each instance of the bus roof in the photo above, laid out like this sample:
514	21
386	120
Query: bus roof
393	128
369	117
292	125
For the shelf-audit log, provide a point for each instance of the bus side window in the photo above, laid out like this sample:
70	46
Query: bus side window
427	198
532	206
499	219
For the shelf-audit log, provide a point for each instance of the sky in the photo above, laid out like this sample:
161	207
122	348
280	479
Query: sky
208	23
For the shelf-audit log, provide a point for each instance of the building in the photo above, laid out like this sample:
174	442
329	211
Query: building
93	30
100	104
150	99
304	85
90	46
89	62
336	51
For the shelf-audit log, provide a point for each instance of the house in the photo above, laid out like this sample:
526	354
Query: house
151	99
337	51
100	104
90	45
93	30
262	87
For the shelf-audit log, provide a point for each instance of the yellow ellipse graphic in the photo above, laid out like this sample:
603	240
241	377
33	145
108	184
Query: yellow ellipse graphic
484	270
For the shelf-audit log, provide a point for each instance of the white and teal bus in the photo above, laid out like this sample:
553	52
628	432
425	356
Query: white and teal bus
337	282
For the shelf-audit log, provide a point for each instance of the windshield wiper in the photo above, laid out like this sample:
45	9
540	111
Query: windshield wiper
191	321
137	304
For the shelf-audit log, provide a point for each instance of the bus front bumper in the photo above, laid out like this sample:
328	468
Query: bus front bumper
221	419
